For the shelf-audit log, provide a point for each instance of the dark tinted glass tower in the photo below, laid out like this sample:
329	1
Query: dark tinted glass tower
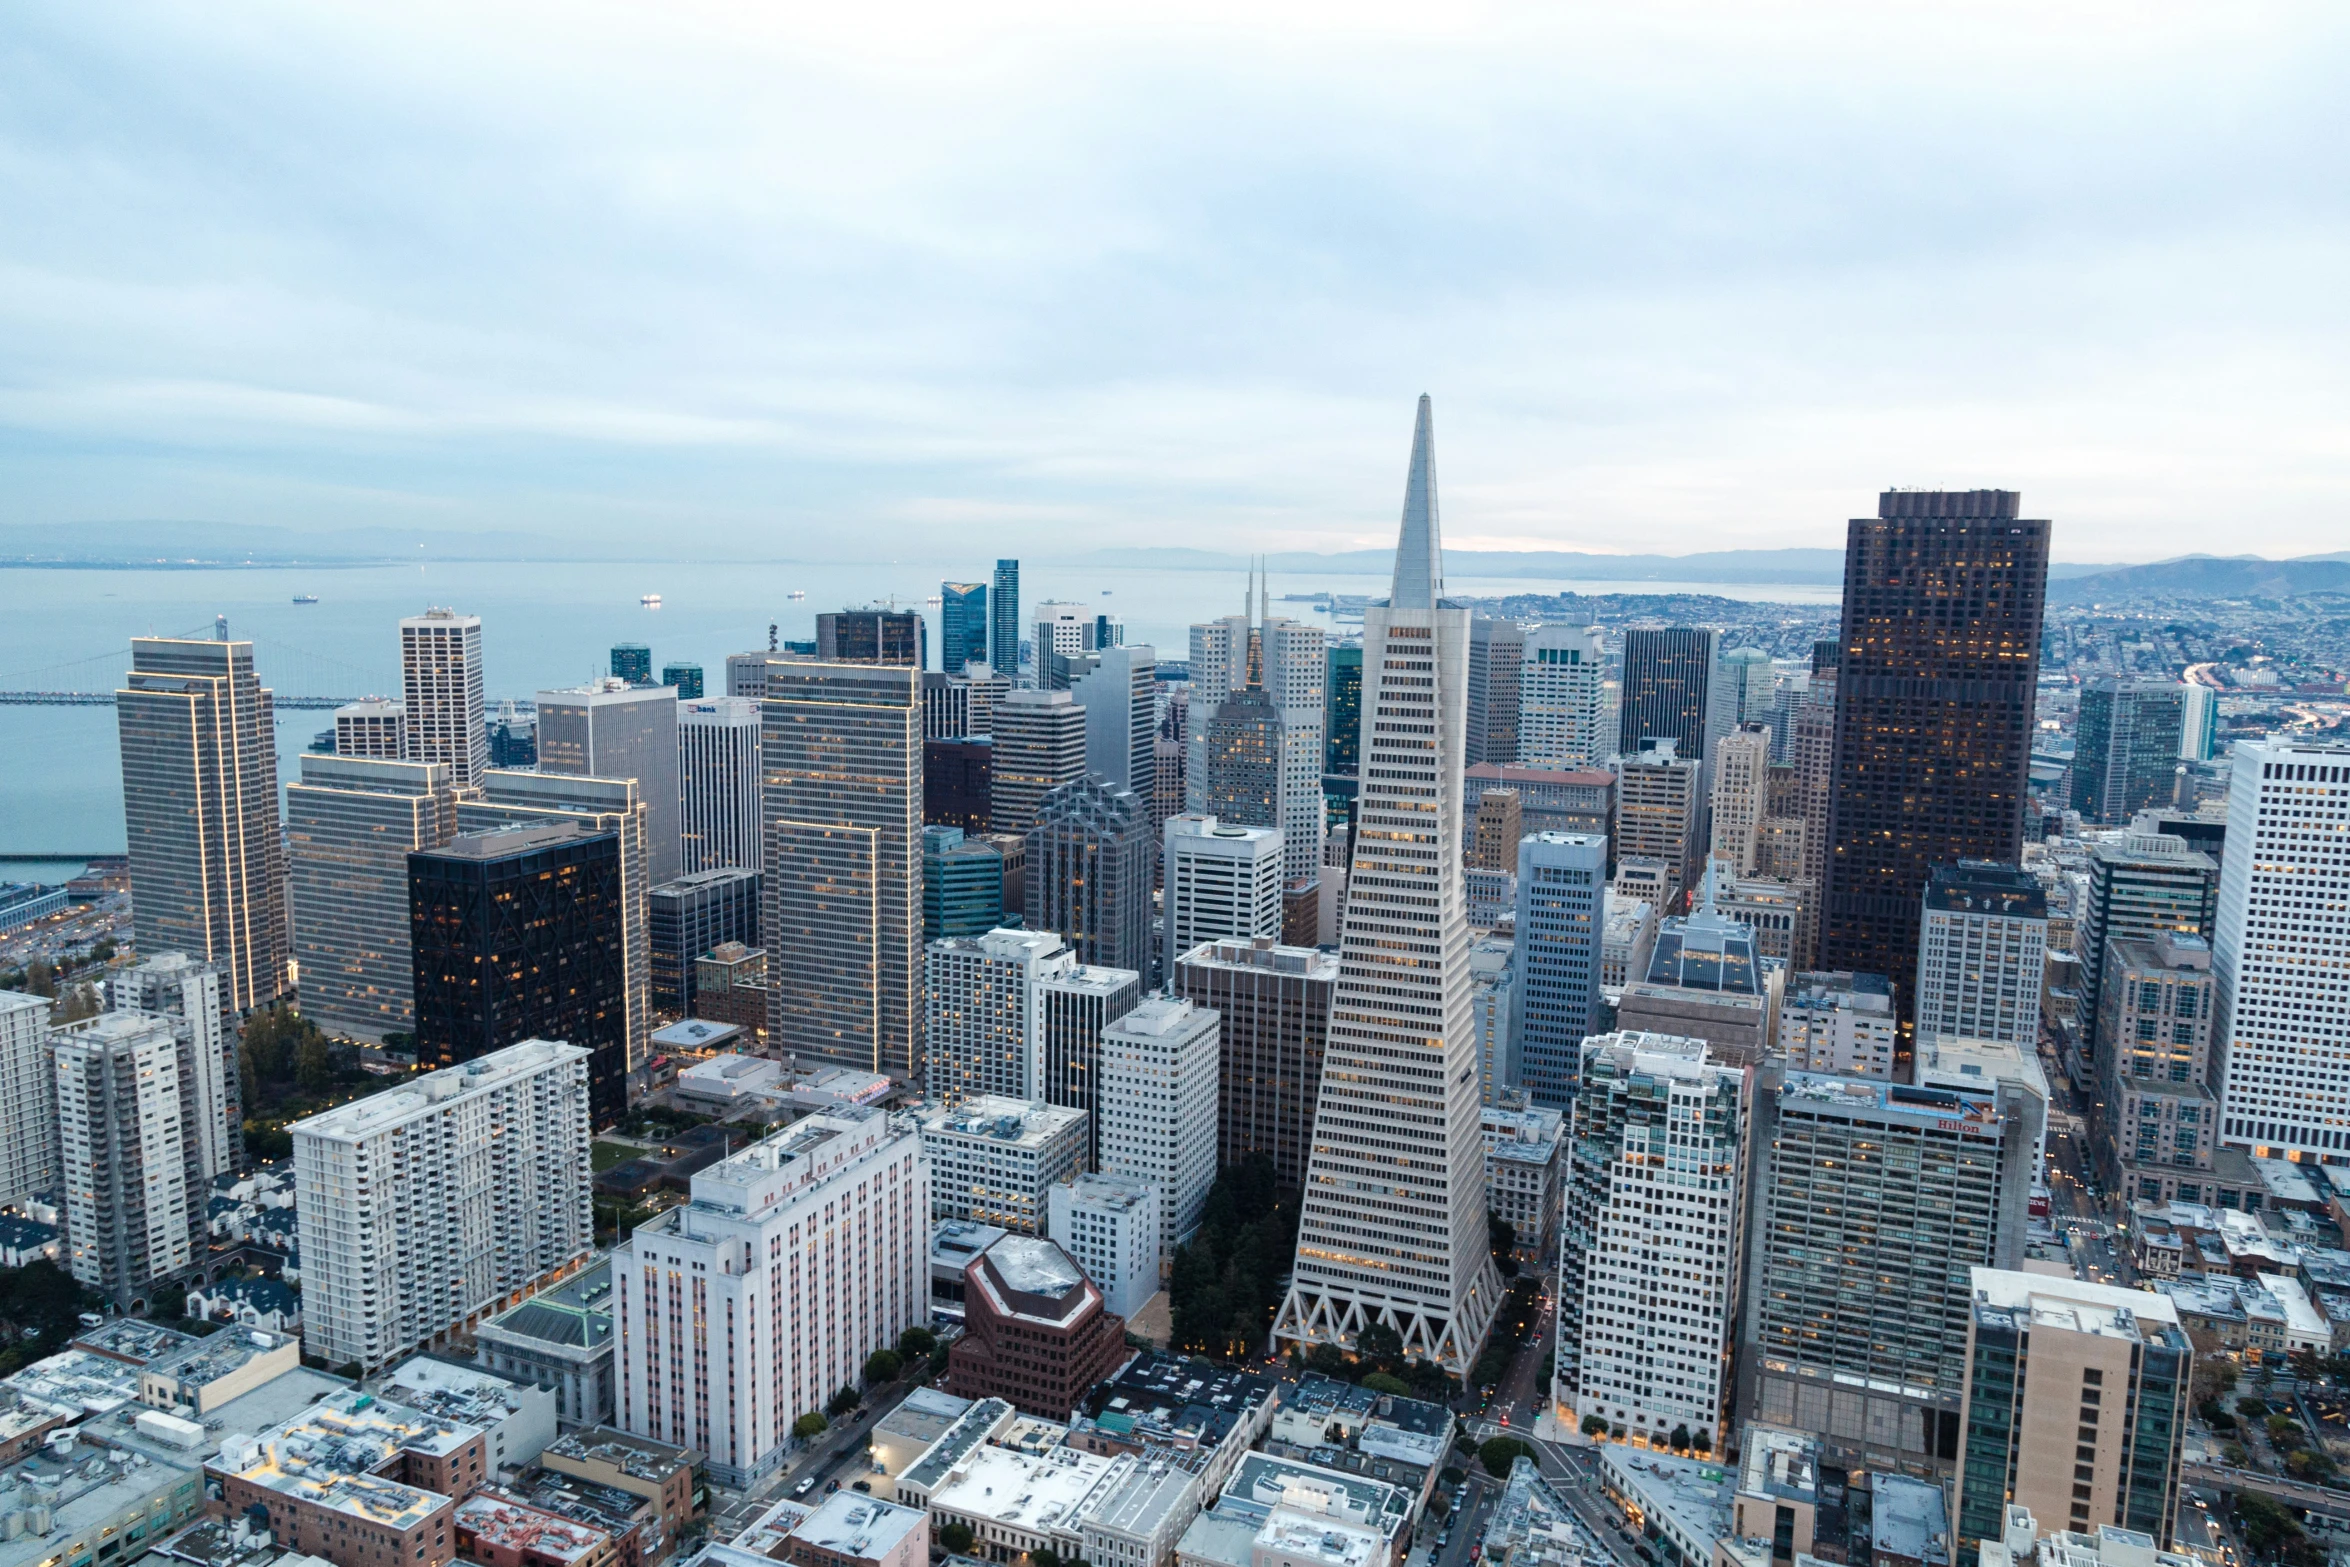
1668	688
1003	620
685	918
1496	650
1089	873
686	677
1942	599
632	662
1244	760
1342	731
962	625
2128	750
516	935
871	636
955	782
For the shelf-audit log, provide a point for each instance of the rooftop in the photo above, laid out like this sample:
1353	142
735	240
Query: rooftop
1948	1108
1264	953
1906	1518
516	1526
225	1352
1263	1481
1841	988
1783	1464
435	1090
1986	887
1531	1526
136	1340
1690	1495
2071	1305
1115	1193
498	843
854	1525
1530	1135
1023	1123
454	1393
577	1312
640	1458
84	1487
970	1429
695	1033
1032	1491
327	1456
77	1382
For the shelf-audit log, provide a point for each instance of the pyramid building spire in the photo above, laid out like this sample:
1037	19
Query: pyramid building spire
1419	551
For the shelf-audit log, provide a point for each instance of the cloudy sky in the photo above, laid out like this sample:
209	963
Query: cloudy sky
865	278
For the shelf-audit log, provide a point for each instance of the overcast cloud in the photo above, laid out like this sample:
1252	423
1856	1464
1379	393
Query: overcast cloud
890	279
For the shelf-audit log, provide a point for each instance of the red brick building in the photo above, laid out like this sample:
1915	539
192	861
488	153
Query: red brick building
1035	1331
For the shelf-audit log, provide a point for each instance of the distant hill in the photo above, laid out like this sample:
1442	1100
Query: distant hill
2207	576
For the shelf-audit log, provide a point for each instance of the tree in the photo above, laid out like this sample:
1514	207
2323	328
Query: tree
916	1343
168	1300
1679	1440
883	1365
1328	1359
1498	1453
81	1001
2250	1406
1222	1286
1381	1382
1595	1425
41	1307
956	1537
1380	1343
314	1068
841	1402
809	1425
1702	1443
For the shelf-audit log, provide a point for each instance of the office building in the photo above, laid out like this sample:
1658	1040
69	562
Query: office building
2159	1119
1811	752
1220	879
372	728
685	680
1120	698
560	1338
2126	747
958	783
518	936
1257	715
1562	893
1982	953
199	788
1934	711
1672	690
587	805
1741	796
962	884
513	738
962	625
1970	1065
632	663
814	1244
1061	634
982	1025
1494	835
1553	799
1089	873
2147	884
1342	708
1399	1104
28	1099
1274	1002
351	824
1039	746
440	671
132	1193
613	730
2077	1397
185	994
1625	941
992	1159
1493	1013
1839	1023
1749	686
2282	952
746	673
962	703
1497	650
1037	1337
842	824
1525	1159
1707	980
1072	1006
1109	1226
1660	807
1778	912
1160	1068
1003	619
1562	700
1649	1283
1868	1192
2198	723
686	918
718	744
875	635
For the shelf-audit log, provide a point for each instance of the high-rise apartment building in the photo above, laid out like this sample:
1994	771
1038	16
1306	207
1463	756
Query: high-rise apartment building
132	1196
372	727
28	1098
842	834
1497	649
1003	619
894	637
1838	1023
2282	951
962	625
440	672
2077	1397
2148	884
199	789
1039	746
2126	747
1934	710
1659	813
614	730
1649	1280
425	1207
1275	1005
813	1247
185	994
685	680
1982	954
587	805
2198	723
1562	898
1220	879
962	884
984	1025
1342	708
1561	699
1741	796
632	663
1159	1075
518	936
1090	858
351	824
1672	690
718	744
1392	1228
687	917
2159	1119
1868	1192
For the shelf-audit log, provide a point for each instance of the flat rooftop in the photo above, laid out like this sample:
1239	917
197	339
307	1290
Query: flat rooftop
453	1393
855	1525
435	1090
516	1526
2075	1306
1957	1109
327	1454
497	843
1014	1123
223	1353
637	1457
140	1342
970	1429
1035	1492
77	1382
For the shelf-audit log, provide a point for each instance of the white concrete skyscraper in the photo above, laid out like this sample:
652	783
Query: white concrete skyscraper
1562	698
718	783
28	1098
1392	1230
440	672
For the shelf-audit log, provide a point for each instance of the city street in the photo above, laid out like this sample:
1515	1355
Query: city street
835	1455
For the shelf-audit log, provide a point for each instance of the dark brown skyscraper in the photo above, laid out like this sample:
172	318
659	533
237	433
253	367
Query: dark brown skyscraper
1671	688
1941	654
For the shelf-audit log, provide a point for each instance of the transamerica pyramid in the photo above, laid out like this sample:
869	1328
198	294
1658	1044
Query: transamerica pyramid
1392	1229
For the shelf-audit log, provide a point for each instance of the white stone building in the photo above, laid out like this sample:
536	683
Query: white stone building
1161	1064
993	1159
1109	1226
1221	879
130	1192
1838	1022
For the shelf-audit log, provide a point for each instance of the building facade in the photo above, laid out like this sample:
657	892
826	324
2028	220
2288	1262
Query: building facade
686	918
1035	1331
1039	746
962	884
132	1192
1839	1023
28	1098
1672	690
1160	1066
1109	1225
373	728
2160	1119
962	625
1220	879
1660	805
1982	954
2146	885
440	675
1497	652
612	729
350	826
1274	1003
1090	854
718	784
1562	699
1561	914
1003	618
2126	747
993	1160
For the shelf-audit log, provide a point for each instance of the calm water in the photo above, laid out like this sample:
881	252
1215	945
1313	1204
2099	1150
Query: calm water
542	625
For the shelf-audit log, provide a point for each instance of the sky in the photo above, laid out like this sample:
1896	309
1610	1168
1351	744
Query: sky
855	280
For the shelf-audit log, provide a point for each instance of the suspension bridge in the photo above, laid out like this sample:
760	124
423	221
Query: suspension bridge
300	679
